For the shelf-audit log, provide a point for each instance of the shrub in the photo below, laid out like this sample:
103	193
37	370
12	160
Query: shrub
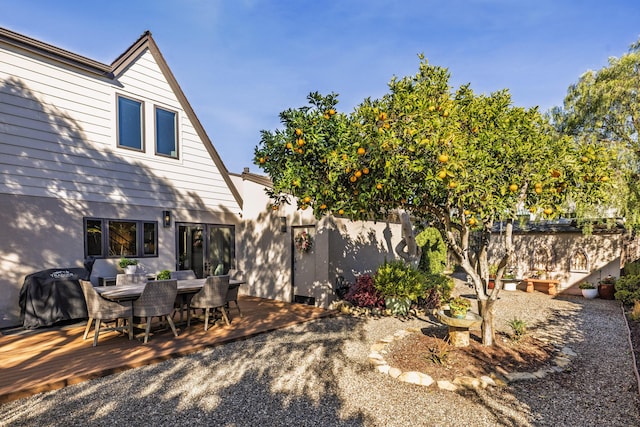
635	312
442	283
364	294
397	279
632	268
163	275
628	289
519	328
434	251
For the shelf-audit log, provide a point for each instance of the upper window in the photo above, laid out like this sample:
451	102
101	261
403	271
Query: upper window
166	133
130	123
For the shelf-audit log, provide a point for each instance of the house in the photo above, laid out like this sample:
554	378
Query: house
110	160
104	161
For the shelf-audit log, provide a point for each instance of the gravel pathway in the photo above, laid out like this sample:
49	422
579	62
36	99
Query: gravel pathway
317	374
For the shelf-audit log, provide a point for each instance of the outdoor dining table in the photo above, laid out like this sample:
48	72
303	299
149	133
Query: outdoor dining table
132	292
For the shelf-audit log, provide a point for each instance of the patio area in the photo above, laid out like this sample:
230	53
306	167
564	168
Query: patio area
34	361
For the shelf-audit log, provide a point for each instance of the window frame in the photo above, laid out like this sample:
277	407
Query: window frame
104	229
157	108
142	123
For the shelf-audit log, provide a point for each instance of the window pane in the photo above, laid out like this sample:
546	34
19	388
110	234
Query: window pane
150	238
93	237
122	238
129	123
166	133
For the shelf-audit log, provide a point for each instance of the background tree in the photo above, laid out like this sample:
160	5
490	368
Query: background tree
452	159
603	107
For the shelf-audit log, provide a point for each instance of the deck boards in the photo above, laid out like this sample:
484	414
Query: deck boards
47	359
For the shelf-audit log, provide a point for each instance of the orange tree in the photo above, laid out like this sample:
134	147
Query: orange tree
453	159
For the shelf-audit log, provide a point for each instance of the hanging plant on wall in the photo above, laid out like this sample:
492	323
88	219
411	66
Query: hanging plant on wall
303	242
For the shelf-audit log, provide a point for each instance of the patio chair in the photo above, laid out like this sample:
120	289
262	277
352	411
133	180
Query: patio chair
212	297
182	301
102	310
232	294
156	301
130	279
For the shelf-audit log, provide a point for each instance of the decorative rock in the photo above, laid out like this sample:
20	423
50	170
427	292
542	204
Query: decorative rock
447	385
383	368
487	381
377	362
568	352
520	376
468	382
562	362
379	346
387	339
375	355
418	378
395	372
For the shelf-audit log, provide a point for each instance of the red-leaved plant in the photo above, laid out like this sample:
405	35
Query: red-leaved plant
364	294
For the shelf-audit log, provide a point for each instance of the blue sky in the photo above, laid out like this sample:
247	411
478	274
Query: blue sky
242	62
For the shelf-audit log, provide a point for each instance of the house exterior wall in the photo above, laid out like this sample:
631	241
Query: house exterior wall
59	162
341	247
602	250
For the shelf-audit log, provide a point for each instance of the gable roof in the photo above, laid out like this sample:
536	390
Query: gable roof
114	70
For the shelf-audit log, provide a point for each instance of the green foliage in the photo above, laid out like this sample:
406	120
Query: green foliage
434	250
400	280
628	289
632	268
459	304
586	285
164	275
635	311
124	262
442	283
519	328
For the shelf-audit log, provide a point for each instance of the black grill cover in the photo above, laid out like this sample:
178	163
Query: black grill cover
51	296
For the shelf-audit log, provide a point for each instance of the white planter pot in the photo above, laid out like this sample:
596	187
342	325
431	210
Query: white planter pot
589	293
131	269
509	284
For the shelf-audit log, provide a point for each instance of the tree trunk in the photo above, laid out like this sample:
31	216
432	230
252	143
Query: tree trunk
485	309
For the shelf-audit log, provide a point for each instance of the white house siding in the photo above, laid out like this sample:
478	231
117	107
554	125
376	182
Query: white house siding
59	163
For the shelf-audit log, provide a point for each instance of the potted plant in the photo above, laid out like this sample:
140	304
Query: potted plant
163	275
399	284
588	290
509	281
458	307
130	266
606	287
493	270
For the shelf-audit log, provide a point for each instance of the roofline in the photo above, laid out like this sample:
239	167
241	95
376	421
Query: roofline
112	71
55	53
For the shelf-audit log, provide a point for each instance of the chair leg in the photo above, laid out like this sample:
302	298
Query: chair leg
147	330
173	326
238	307
86	330
188	316
130	320
224	316
95	336
206	318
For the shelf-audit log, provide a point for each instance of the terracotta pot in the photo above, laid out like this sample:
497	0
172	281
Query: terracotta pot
606	290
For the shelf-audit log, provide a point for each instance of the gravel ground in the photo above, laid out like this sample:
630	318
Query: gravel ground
317	374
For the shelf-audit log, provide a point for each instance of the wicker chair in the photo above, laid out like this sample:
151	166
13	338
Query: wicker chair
232	295
130	279
182	301
212	296
101	309
156	301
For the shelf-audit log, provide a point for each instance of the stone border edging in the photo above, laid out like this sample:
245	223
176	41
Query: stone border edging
497	379
633	354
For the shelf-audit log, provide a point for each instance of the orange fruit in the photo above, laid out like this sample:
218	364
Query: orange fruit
358	174
341	212
604	179
356	192
300	151
300	142
453	184
365	171
275	207
548	211
538	190
513	188
361	151
289	146
475	129
584	159
432	108
303	207
332	111
307	199
442	174
443	158
555	173
262	160
445	114
383	116
327	116
353	178
467	212
298	131
379	186
323	206
472	221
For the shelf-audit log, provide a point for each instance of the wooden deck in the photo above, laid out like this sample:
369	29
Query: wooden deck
51	358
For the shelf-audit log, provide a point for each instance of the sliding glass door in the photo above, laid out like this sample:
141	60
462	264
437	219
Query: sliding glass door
207	249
